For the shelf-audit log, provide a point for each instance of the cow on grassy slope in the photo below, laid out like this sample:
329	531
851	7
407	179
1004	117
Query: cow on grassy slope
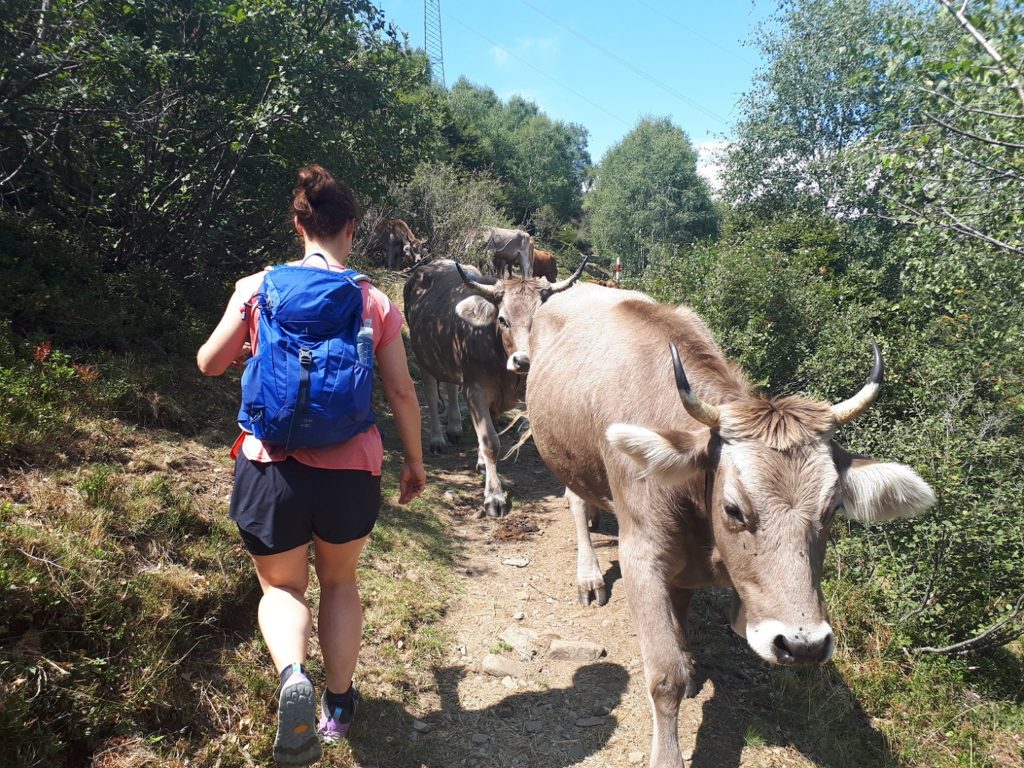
508	247
401	247
635	408
472	330
545	265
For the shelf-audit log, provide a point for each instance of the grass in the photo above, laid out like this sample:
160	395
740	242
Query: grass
128	619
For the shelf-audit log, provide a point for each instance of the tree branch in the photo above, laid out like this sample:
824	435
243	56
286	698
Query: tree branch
969	135
960	14
995	635
975	110
957	225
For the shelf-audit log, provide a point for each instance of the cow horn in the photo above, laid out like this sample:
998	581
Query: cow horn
848	410
489	292
561	285
702	412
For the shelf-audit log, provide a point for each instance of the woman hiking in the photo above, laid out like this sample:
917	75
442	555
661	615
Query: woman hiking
318	478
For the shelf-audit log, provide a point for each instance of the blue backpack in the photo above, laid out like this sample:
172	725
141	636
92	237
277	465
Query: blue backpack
305	386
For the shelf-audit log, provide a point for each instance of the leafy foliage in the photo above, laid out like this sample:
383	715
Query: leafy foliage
647	196
160	130
542	162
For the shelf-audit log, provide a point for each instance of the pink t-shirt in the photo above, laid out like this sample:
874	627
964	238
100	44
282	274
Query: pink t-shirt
365	451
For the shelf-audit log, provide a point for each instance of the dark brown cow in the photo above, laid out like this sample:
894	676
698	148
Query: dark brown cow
401	247
545	265
473	330
633	406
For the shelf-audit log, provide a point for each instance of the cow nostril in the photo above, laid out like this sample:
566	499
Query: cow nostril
782	650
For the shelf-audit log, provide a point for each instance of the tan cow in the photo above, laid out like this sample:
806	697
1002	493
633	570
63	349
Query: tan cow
472	330
634	407
401	247
545	265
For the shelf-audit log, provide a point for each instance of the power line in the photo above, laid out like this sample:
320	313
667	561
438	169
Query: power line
540	71
695	33
612	55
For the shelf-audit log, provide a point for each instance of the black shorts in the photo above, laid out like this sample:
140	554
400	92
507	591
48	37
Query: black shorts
280	505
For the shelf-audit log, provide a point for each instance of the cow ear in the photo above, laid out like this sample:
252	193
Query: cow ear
875	491
670	457
477	311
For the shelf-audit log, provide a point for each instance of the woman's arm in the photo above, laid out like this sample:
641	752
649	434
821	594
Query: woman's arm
225	344
401	395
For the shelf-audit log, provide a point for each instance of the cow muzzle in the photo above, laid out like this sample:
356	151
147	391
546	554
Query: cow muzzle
519	363
779	643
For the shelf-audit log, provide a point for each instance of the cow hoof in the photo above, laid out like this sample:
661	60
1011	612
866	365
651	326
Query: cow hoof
453	437
590	595
496	507
438	446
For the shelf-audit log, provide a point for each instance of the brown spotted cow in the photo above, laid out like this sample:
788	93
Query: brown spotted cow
634	407
472	330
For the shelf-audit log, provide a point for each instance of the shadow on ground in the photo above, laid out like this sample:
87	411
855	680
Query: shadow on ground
541	729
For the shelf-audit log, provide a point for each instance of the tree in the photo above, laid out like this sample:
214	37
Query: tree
168	134
647	195
820	92
543	162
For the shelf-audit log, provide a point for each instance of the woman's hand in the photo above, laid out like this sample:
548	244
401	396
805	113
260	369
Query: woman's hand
411	481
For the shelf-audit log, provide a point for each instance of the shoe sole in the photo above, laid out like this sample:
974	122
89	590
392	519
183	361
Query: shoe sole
297	743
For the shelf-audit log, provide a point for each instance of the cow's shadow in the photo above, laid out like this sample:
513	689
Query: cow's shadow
552	728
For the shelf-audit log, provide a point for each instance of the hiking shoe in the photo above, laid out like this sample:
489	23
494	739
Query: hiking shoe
296	743
334	725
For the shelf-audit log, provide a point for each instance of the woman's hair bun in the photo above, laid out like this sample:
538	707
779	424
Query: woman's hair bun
322	204
314	181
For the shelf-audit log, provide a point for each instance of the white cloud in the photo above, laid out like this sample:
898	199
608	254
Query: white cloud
528	49
501	57
710	157
544	46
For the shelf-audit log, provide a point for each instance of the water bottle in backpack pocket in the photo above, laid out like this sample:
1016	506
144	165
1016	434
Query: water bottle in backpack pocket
306	386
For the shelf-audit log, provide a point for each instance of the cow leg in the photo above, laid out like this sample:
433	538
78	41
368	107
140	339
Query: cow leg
438	444
681	599
526	262
495	502
668	668
589	578
454	429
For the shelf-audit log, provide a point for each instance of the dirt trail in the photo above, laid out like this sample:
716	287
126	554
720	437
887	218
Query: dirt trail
541	712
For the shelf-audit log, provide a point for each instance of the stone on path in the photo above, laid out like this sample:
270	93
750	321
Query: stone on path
500	666
575	650
526	642
635	758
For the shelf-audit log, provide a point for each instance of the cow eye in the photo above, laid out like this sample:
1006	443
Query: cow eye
502	321
734	512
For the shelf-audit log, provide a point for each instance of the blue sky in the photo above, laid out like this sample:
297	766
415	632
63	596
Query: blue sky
603	64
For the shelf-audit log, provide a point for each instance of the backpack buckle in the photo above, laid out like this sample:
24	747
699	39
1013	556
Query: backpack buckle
305	358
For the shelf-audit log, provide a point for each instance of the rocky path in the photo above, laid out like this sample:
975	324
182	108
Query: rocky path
534	679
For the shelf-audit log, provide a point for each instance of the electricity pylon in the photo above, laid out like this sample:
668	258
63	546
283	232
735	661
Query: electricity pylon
432	39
